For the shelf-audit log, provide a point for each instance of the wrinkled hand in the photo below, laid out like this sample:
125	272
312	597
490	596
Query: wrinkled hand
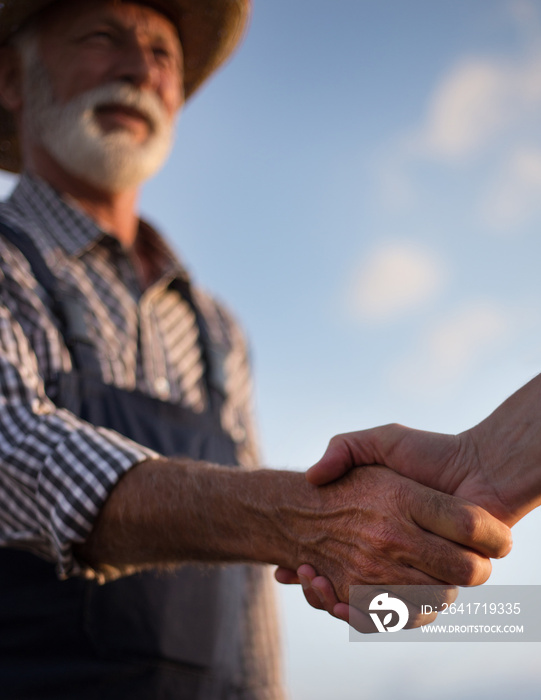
377	527
447	463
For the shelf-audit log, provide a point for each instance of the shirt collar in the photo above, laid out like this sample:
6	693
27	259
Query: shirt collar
63	223
67	226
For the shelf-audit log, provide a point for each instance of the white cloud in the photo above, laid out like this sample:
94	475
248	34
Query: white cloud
485	110
451	348
395	278
477	101
514	195
465	110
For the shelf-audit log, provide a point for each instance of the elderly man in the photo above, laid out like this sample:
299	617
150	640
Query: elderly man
125	396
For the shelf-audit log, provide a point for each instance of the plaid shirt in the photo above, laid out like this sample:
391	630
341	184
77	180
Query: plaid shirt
56	471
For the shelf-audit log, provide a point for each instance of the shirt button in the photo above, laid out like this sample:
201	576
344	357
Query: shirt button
161	387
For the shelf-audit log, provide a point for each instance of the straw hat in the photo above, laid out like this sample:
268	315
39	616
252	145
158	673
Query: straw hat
209	31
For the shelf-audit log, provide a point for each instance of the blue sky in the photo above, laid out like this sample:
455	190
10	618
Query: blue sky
361	184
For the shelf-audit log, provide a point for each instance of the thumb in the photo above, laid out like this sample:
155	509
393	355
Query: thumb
356	449
341	455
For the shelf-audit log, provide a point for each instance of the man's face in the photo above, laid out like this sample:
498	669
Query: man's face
103	85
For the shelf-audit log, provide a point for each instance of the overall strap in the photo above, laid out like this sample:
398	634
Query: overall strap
67	306
213	360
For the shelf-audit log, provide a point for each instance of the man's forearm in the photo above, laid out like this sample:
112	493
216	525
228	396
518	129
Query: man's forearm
508	445
170	511
372	526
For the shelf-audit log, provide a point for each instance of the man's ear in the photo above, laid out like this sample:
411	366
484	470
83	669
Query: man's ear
10	79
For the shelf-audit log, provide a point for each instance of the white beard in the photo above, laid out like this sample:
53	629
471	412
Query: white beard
71	134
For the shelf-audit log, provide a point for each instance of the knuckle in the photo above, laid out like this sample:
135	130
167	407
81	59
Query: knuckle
336	443
504	545
473	570
480	530
473	524
403	495
393	430
483	572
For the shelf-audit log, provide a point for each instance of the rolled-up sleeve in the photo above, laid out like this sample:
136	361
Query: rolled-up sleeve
56	471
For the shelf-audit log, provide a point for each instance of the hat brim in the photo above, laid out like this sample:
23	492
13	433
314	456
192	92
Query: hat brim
209	31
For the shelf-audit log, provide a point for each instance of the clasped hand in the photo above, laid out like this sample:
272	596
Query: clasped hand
388	529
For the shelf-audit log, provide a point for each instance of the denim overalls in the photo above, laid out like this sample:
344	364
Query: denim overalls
149	636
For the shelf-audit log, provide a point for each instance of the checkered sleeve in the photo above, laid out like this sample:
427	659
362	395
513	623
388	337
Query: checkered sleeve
56	471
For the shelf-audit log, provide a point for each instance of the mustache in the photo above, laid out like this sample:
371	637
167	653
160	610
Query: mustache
143	101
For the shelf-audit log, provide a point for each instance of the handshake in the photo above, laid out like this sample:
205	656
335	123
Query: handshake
384	507
407	507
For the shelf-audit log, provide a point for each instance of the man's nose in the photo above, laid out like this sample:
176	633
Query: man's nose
136	65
